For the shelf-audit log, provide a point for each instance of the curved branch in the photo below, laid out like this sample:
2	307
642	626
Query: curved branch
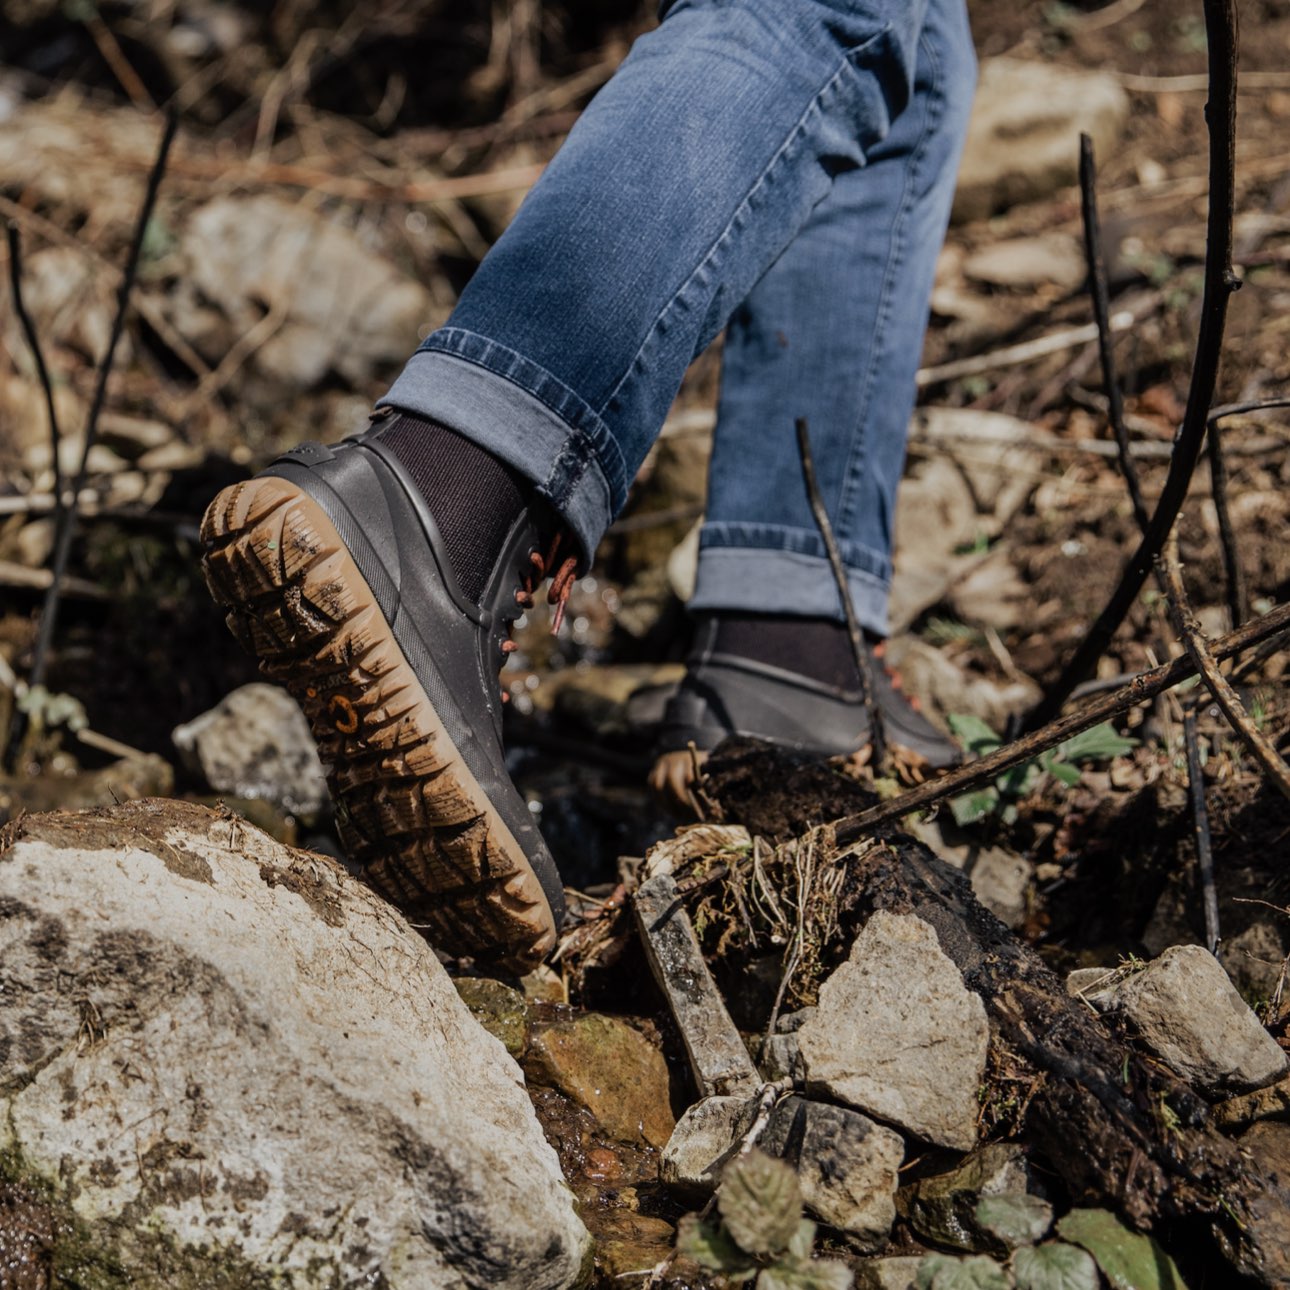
1220	282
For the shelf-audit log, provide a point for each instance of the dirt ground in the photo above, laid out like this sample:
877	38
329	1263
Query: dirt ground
324	112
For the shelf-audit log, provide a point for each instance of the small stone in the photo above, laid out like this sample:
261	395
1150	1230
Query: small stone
1096	985
696	1150
501	1010
611	1069
942	1208
344	307
174	455
1189	1013
35	542
1000	880
542	985
1028	262
130	437
898	1035
781	1058
1269	1143
256	743
629	1243
718	1059
847	1165
1271	1103
899	1273
1023	138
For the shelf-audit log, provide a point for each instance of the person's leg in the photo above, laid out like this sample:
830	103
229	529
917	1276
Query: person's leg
831	333
683	181
377	578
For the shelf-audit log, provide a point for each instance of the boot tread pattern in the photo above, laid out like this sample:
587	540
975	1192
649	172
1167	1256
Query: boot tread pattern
408	808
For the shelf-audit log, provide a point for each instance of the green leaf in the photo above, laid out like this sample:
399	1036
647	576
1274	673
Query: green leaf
822	1274
941	1272
928	1269
1015	1218
1016	781
710	1246
973	806
803	1240
1068	774
1054	1266
761	1202
1098	743
973	733
1129	1260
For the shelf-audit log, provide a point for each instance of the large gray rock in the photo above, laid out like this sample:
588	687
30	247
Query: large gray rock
224	1061
339	305
1189	1012
1023	139
898	1035
256	743
848	1165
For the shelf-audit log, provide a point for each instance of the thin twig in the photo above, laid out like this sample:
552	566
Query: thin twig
805	871
1025	352
38	357
1238	599
1102	317
63	538
1242	409
1143	687
1220	282
864	664
1200	827
1184	619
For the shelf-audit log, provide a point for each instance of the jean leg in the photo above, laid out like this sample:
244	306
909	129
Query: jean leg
680	185
833	332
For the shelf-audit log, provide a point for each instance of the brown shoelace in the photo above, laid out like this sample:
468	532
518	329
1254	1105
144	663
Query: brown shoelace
562	580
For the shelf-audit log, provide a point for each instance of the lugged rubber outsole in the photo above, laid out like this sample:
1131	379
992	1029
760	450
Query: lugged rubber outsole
408	808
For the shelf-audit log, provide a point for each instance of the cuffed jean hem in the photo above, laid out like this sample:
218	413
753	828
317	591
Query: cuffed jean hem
508	406
791	583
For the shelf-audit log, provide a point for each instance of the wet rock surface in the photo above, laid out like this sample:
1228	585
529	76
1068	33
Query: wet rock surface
898	1035
502	1010
611	1069
221	1056
942	1208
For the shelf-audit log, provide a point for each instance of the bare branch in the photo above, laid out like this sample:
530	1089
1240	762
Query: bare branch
1184	620
38	357
1102	317
1200	827
1220	282
1143	687
67	530
877	736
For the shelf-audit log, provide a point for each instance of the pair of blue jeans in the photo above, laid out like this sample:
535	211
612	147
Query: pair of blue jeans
780	168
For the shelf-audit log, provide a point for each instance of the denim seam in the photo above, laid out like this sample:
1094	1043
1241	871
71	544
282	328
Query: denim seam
860	442
732	535
586	442
790	140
